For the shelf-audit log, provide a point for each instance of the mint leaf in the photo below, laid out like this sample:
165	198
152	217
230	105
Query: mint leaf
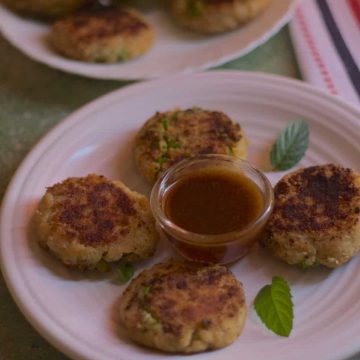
274	306
291	145
125	272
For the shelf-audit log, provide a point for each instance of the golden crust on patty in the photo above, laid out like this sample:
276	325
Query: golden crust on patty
106	35
316	217
168	137
45	8
184	307
215	16
86	220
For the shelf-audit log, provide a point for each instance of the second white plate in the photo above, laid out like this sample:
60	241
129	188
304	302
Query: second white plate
175	50
77	311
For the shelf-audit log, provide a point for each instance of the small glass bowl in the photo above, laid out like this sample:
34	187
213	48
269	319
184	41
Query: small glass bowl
220	248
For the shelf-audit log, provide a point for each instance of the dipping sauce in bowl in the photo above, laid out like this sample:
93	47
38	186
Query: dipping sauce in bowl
213	201
212	208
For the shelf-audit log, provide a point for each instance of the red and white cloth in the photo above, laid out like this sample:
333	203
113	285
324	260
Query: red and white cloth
326	38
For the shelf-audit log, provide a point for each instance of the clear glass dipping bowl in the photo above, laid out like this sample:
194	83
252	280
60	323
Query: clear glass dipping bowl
220	248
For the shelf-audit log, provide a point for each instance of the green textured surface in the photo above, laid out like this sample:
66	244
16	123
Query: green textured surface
33	98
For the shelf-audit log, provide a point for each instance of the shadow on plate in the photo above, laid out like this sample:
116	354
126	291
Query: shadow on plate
264	265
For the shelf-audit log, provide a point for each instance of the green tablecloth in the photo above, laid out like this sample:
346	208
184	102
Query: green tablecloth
33	98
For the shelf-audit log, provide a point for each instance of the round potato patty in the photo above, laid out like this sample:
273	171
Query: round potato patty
216	16
316	217
184	307
107	35
87	220
45	8
168	137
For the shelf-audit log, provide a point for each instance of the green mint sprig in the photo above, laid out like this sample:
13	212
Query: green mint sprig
125	272
290	146
274	306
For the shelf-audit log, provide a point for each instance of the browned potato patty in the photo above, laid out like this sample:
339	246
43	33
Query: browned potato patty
316	217
105	35
184	307
215	16
87	220
45	8
168	137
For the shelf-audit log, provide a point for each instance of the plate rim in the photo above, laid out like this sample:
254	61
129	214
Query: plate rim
57	131
253	44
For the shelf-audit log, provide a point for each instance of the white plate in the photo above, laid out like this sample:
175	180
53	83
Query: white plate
76	312
175	50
